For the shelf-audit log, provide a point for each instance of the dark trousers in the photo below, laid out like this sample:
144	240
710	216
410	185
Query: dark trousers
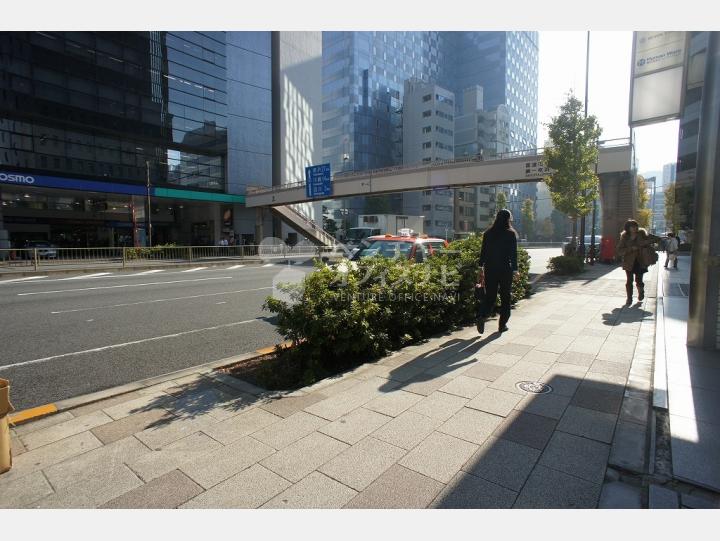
638	278
495	280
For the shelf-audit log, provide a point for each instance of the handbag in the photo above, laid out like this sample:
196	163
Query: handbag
648	256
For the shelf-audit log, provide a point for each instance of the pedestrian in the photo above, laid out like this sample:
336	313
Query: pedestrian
635	248
671	248
498	265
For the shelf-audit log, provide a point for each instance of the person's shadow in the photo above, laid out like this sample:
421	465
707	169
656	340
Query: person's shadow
626	314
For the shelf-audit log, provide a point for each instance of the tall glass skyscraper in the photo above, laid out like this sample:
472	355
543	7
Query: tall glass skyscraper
363	85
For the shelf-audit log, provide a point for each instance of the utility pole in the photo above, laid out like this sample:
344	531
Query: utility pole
587	82
149	209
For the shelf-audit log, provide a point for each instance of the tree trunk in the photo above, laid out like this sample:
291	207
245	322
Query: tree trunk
574	229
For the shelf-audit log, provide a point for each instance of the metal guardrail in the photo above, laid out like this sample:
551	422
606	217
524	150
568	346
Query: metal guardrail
530	152
50	257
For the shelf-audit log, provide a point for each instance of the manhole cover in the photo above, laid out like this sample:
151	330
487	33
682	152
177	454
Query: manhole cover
534	387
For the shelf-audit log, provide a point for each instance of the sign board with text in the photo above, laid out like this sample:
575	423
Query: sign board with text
318	182
658	63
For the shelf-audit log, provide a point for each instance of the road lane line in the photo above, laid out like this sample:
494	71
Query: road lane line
195	269
235	267
18	280
269	265
126	344
146	272
80	277
159	300
124	285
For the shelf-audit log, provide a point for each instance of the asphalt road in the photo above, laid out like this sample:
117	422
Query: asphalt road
63	337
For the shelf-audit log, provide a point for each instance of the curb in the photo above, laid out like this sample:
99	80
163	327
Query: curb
33	414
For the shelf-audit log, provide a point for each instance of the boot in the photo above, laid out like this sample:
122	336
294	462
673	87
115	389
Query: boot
629	291
641	291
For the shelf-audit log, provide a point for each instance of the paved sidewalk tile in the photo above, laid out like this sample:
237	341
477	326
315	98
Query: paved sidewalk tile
336	406
591	424
503	359
555	343
464	386
466	491
541	357
164	433
249	489
304	456
439	456
44	457
577	358
316	491
16	446
628	446
564	378
285	432
210	469
244	424
495	401
471	425
45	422
107	403
609	367
143	403
92	492
577	456
398	488
165	492
503	462
486	371
174	455
362	463
58	432
393	403
355	425
24	491
439	405
599	399
548	405
214	402
425	384
526	429
94	463
407	429
550	489
286	406
132	424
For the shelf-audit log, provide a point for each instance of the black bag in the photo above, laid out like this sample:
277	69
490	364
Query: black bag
479	300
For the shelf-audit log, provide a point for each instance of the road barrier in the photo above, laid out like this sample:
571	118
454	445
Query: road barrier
122	257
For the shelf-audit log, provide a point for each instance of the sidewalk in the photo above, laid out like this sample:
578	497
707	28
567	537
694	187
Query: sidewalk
447	423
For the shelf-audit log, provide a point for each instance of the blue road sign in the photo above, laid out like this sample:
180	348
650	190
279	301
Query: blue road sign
317	181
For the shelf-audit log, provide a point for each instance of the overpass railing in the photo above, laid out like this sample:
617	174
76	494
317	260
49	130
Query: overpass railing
530	152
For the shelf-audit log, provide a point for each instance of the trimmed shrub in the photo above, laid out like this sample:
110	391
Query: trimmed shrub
566	265
347	314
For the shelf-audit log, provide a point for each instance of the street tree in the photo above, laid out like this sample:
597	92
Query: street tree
571	159
643	212
670	207
528	218
500	201
546	229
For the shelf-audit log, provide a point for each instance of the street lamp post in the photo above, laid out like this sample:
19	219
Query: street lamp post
149	210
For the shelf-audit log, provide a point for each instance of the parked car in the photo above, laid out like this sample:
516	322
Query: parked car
588	240
45	250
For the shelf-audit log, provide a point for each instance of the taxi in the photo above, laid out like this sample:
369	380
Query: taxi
405	244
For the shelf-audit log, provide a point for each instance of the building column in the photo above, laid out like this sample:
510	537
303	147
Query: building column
705	270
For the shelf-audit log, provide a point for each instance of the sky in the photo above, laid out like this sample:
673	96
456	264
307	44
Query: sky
562	68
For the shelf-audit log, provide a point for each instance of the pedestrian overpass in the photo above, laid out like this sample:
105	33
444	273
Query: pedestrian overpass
614	168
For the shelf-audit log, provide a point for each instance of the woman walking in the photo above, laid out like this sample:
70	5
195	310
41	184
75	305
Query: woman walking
498	264
635	248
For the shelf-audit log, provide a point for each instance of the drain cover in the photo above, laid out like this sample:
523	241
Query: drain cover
534	387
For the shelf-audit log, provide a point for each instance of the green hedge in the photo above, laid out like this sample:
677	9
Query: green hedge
566	265
339	318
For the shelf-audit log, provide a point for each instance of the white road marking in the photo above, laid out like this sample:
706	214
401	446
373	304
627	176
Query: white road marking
125	344
159	300
124	285
235	267
224	302
195	269
80	277
269	265
89	320
16	280
145	272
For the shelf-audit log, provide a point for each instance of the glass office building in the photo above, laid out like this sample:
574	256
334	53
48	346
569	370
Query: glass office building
94	121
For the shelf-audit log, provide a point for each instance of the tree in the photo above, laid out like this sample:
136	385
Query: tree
571	159
330	226
528	218
546	229
560	222
643	213
500	201
670	207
